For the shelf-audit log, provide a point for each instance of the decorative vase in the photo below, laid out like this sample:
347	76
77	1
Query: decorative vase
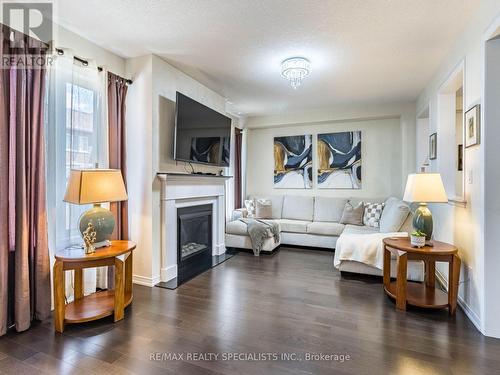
422	220
102	221
417	241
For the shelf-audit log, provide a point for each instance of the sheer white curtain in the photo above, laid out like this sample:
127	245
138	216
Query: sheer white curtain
76	138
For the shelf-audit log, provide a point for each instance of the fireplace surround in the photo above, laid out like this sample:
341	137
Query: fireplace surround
179	191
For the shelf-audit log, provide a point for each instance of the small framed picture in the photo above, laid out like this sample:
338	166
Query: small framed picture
472	126
433	146
460	158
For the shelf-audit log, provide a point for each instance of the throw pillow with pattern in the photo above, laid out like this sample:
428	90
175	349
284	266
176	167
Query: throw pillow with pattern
373	212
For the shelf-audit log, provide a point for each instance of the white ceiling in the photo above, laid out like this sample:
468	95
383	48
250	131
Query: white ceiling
361	51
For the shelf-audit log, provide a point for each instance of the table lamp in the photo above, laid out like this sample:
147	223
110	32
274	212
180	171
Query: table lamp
96	186
424	188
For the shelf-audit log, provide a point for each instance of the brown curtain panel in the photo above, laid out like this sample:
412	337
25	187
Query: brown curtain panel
24	253
117	93
238	139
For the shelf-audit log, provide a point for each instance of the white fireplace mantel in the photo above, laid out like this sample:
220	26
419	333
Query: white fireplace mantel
184	190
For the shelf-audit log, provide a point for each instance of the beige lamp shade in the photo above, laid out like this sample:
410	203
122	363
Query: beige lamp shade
425	188
95	186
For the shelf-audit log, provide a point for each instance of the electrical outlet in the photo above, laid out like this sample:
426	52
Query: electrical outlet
469	177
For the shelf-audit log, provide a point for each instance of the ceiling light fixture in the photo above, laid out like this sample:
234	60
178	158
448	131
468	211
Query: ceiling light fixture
295	69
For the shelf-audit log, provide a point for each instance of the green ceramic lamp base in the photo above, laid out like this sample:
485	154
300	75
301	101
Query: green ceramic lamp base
422	220
103	222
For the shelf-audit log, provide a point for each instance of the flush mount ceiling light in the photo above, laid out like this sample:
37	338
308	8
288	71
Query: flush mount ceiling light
295	69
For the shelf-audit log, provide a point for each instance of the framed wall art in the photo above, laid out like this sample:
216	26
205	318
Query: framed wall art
433	146
472	126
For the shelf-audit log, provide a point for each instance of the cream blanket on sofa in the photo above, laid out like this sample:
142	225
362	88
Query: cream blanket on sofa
363	248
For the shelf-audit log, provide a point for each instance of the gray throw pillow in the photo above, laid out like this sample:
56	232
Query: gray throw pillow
373	212
353	214
394	215
263	209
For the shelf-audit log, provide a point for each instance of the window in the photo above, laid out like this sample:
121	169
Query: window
75	140
80	104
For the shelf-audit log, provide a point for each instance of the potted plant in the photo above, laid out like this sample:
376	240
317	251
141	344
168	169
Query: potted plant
417	239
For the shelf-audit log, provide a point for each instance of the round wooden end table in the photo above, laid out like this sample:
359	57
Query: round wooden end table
425	294
96	305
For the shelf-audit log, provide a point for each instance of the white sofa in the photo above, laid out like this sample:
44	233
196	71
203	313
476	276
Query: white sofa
313	222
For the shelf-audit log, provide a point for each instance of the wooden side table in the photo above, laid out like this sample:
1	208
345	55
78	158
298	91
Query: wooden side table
425	294
97	305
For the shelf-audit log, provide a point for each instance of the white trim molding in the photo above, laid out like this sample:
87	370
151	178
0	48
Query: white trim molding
145	281
473	317
183	190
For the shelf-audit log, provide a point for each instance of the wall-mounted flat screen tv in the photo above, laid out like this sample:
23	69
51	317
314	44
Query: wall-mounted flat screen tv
202	135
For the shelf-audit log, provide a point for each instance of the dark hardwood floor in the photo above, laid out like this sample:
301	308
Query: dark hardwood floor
292	302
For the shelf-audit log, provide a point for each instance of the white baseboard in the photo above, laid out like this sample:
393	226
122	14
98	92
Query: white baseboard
168	273
219	249
145	281
473	317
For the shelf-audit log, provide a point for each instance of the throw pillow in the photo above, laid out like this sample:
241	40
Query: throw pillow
263	209
250	206
394	215
373	212
353	214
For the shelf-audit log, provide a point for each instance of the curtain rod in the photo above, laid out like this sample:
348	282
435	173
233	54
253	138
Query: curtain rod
85	63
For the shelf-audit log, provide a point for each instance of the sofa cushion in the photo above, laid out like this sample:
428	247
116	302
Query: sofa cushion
263	209
325	228
295	226
276	203
353	214
298	208
359	229
328	209
238	227
373	212
394	215
250	207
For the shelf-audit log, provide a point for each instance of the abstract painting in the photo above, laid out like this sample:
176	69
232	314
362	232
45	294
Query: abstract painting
339	160
293	162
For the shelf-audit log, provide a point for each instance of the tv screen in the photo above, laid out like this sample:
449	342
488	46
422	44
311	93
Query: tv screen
202	135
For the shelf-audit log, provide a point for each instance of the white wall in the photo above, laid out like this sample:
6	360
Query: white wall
150	126
379	137
460	225
85	49
387	127
491	138
140	174
422	142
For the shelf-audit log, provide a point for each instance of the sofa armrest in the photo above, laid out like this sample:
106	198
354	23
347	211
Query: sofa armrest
239	213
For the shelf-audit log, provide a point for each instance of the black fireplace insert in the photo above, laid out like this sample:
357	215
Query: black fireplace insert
194	241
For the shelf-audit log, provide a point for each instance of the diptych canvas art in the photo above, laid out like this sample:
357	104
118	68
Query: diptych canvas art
293	162
339	160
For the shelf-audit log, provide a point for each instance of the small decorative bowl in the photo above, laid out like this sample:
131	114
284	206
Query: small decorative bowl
417	241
